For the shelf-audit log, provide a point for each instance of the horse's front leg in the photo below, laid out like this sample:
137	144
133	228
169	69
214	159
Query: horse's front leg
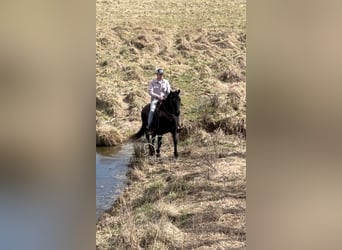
159	144
175	140
150	144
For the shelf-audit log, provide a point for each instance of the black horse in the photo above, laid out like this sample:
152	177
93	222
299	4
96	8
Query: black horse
165	120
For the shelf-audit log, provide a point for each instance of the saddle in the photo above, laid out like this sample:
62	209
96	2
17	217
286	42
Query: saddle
159	103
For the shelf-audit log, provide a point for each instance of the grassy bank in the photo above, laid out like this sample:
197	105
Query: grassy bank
198	201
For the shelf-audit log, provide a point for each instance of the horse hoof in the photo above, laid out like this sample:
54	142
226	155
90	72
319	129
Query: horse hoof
158	154
176	155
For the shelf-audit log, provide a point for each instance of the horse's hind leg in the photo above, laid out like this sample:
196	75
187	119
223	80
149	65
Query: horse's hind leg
159	145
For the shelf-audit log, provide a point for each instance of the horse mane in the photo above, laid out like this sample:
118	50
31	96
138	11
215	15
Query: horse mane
166	105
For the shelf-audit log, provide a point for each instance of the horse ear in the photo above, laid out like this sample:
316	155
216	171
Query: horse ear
178	91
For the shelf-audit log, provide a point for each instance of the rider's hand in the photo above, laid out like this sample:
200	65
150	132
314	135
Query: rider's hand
161	98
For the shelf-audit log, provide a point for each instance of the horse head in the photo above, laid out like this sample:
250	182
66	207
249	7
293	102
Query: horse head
173	102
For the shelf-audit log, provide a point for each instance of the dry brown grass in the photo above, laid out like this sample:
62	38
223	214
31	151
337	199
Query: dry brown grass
198	201
201	45
107	135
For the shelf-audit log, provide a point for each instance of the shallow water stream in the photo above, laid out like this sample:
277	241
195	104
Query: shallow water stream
111	169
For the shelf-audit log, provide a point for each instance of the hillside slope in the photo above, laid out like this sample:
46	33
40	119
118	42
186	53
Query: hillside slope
200	44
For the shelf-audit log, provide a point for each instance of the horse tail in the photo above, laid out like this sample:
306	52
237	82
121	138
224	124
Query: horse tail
140	132
144	116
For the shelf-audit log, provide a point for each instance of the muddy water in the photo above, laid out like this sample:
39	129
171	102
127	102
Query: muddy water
111	169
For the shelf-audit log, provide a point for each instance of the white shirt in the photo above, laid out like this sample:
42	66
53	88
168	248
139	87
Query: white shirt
158	89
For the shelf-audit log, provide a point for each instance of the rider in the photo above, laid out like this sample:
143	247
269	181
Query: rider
159	88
